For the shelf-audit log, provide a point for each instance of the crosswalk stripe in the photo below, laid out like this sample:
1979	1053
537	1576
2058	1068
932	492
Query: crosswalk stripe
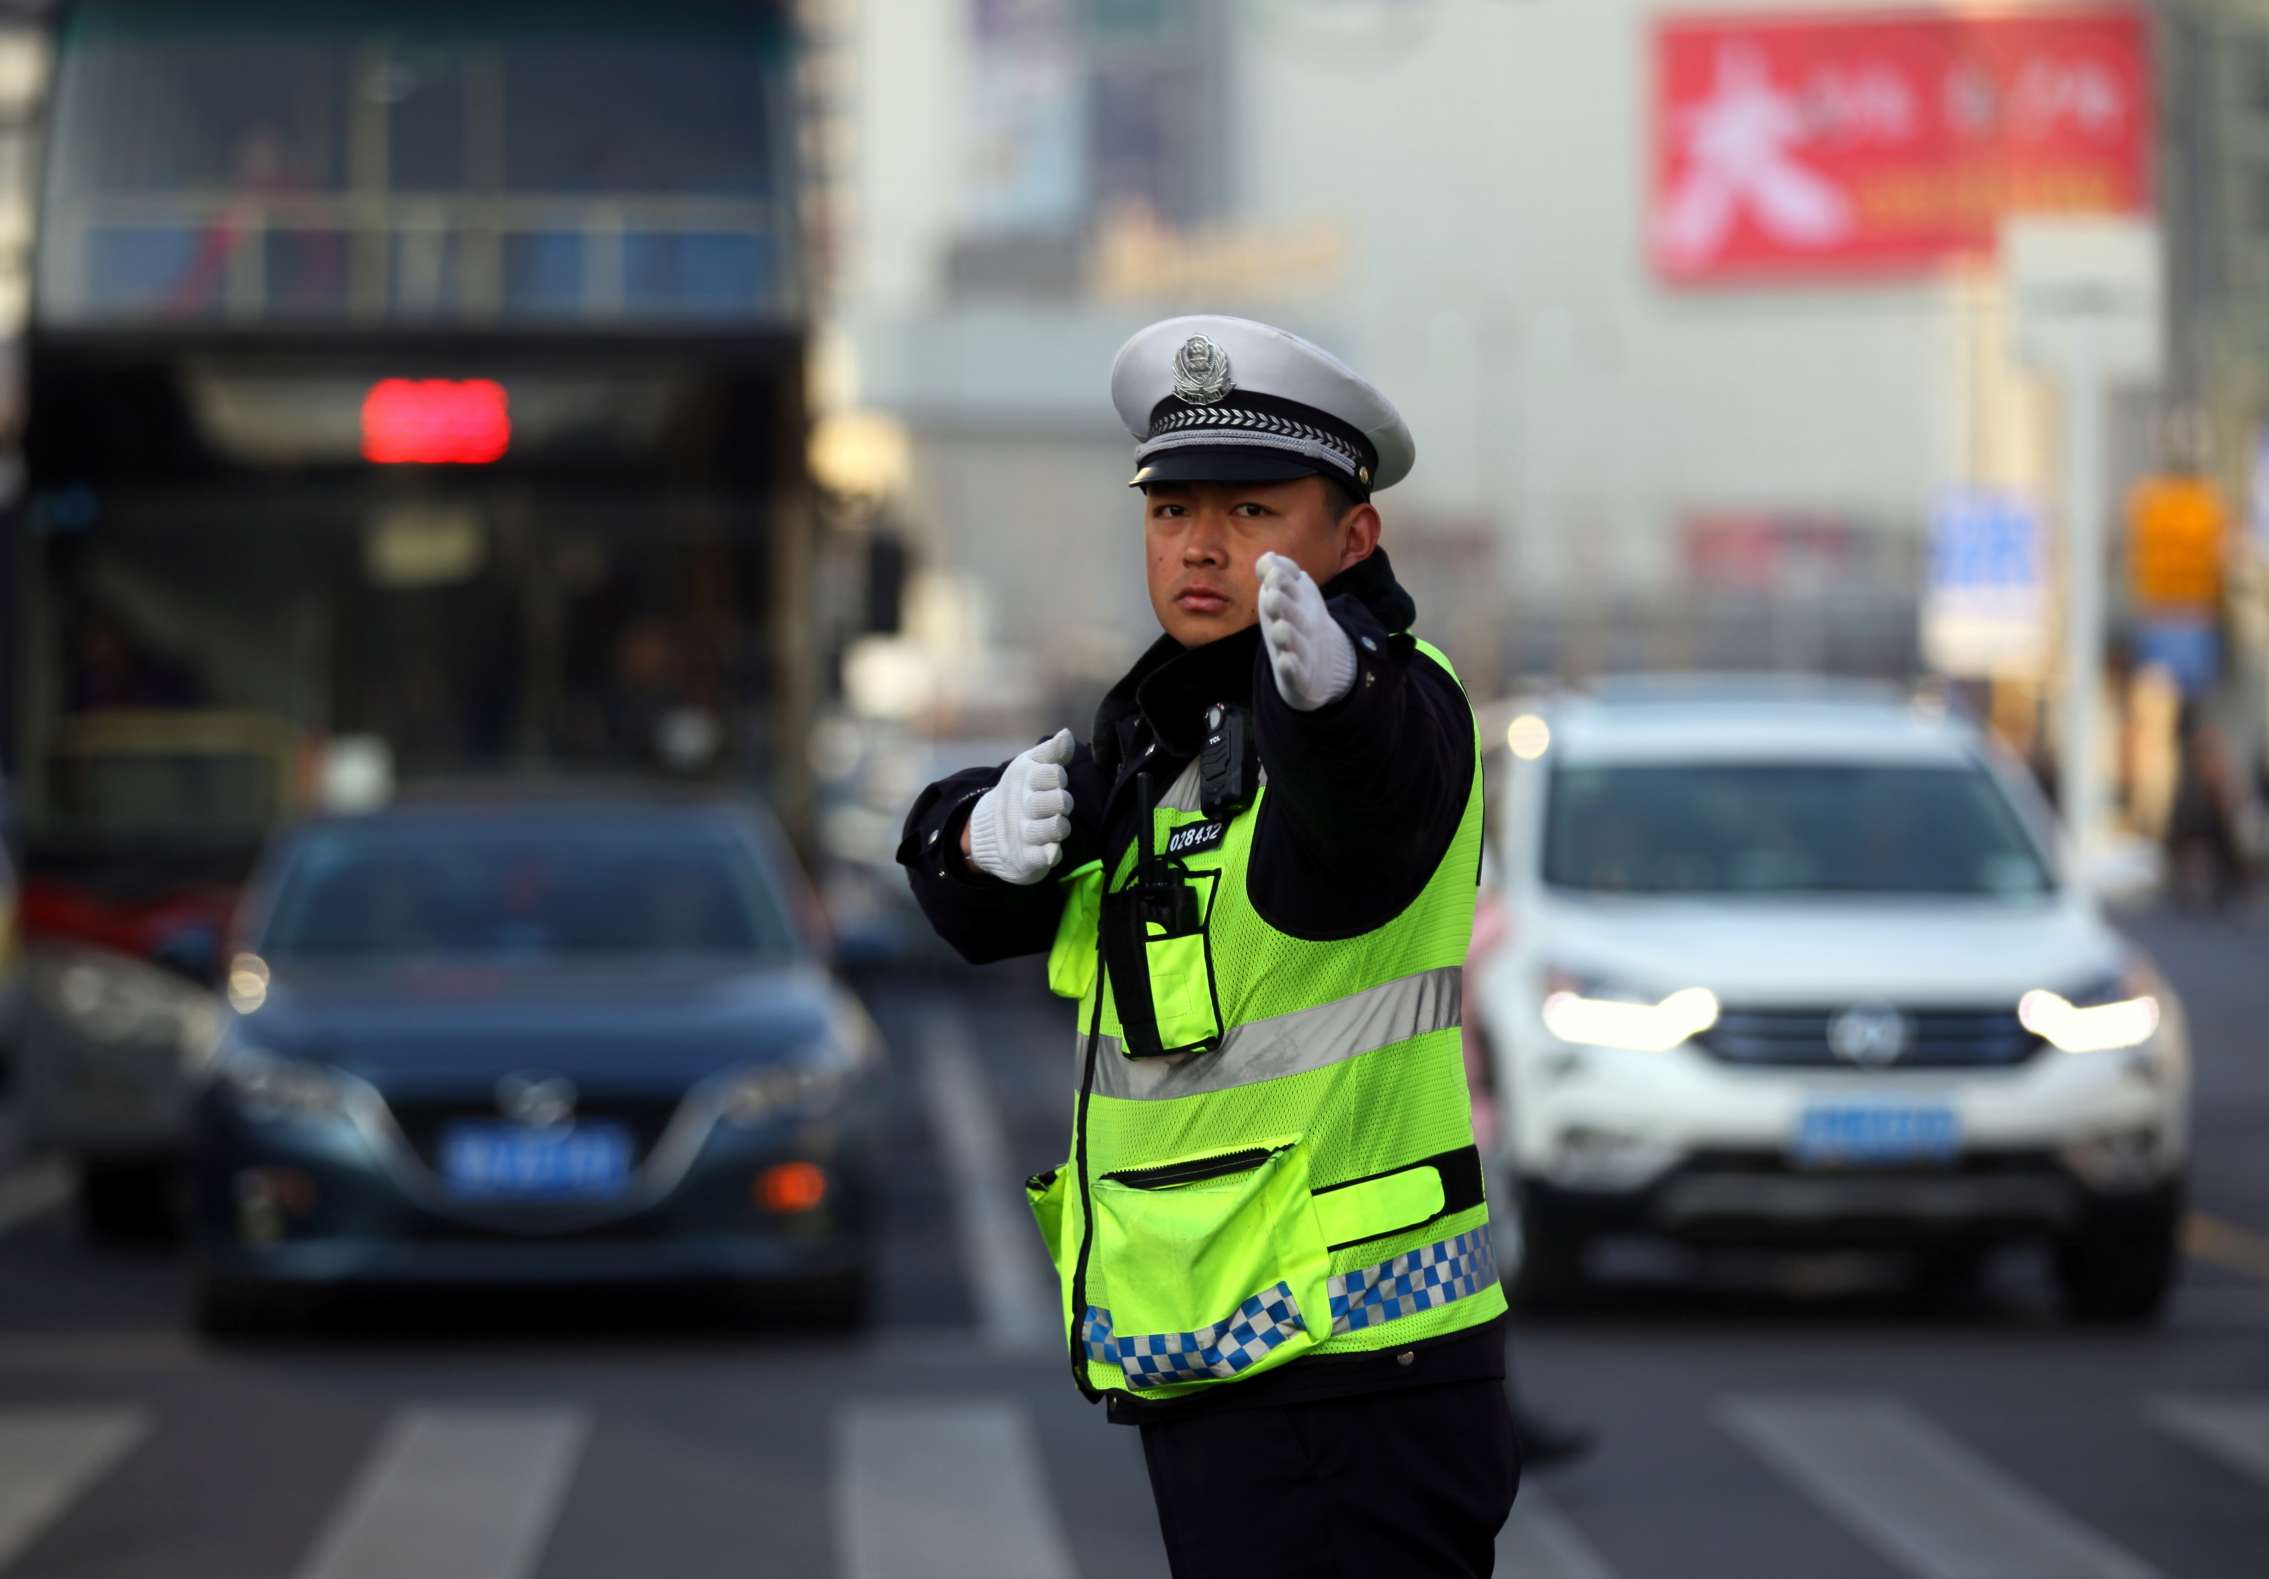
1017	1309
454	1494
944	1489
47	1457
1926	1502
2236	1431
1538	1542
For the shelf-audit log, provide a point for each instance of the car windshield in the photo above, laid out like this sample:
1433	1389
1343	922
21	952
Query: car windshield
543	890
1787	828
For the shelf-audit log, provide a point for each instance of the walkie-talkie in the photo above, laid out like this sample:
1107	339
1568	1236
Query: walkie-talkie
1165	900
1229	763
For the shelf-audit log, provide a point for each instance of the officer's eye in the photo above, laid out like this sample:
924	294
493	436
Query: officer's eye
1251	510
1167	512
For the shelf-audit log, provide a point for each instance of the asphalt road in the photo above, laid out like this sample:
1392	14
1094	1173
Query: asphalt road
1814	1420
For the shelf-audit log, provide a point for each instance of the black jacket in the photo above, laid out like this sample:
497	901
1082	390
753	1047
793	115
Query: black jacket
1364	796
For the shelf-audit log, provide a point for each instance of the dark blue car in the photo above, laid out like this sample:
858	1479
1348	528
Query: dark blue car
539	1044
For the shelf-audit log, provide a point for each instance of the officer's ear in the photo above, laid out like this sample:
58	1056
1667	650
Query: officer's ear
1354	519
1359	529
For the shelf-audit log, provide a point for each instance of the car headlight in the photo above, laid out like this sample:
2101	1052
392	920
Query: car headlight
119	1001
268	1087
756	1095
2119	1012
1590	1015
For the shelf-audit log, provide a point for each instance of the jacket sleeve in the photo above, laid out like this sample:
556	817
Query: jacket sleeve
982	918
1364	795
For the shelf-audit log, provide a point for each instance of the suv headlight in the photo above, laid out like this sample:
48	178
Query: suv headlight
268	1087
1590	1015
746	1098
2118	1012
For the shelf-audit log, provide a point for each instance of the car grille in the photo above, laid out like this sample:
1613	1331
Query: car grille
423	1121
1935	1039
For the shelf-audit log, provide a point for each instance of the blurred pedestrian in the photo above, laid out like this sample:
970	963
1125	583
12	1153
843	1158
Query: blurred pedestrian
1257	877
2205	866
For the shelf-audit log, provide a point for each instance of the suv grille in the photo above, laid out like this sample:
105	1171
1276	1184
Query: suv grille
1935	1039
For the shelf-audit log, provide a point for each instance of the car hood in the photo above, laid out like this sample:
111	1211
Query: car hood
1768	951
632	1027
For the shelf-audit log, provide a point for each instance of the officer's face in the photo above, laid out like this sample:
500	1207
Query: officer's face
1202	538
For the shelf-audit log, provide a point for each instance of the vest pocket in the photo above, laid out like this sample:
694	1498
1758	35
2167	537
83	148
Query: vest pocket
1213	1267
1071	959
1044	1193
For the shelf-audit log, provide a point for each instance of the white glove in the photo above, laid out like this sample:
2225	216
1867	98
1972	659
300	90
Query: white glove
1313	659
1018	827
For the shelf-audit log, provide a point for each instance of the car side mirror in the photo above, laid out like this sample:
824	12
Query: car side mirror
193	951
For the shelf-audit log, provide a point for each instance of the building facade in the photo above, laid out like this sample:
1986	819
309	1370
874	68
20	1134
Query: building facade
1621	464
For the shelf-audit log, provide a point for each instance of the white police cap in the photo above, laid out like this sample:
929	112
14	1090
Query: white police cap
1216	399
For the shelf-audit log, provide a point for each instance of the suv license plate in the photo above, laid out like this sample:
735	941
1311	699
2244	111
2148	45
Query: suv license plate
1829	1134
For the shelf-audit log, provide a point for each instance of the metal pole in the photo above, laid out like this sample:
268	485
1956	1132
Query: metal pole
2080	762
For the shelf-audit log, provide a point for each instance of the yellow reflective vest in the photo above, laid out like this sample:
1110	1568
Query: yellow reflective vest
1272	1155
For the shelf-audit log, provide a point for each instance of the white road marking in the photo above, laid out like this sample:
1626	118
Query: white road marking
1926	1502
1017	1307
2236	1431
1538	1542
48	1457
32	1191
944	1489
454	1494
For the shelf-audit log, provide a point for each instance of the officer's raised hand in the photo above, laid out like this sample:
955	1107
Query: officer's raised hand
1017	829
1311	655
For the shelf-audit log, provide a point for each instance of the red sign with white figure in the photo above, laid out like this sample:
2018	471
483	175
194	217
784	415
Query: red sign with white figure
1836	145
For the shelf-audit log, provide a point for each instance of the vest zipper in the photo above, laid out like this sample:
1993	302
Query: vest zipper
1168	1174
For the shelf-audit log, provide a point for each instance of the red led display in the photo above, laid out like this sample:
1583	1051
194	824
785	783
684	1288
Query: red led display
435	422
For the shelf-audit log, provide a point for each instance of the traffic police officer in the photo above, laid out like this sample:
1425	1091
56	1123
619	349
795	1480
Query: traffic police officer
1257	878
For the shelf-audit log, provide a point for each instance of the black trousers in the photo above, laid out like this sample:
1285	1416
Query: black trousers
1412	1482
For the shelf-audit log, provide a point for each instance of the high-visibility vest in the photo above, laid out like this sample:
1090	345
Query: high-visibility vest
1273	1150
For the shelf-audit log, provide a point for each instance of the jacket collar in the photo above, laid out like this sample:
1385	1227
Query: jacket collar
1170	686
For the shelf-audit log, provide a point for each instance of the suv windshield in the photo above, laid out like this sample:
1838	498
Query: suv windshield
1787	828
472	892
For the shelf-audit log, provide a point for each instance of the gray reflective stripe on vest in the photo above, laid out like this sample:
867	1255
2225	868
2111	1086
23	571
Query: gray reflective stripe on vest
1289	1044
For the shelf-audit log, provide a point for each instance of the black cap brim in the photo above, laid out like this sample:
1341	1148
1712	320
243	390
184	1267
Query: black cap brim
1201	464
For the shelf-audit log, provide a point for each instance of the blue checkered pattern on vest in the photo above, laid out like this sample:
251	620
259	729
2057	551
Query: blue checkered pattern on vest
1421	1279
1219	1352
1095	1332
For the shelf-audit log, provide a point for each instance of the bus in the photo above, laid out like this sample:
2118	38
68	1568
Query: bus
429	376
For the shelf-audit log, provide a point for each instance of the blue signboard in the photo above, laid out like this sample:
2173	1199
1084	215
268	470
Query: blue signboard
1986	539
1985	604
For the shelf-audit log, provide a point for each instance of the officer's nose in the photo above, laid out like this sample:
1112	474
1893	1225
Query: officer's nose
1205	544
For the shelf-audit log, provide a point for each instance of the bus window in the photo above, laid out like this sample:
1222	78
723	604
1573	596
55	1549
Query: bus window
365	162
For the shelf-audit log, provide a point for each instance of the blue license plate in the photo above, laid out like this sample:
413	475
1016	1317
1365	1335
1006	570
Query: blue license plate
578	1162
1878	1132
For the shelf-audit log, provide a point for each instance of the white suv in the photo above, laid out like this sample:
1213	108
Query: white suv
1803	967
